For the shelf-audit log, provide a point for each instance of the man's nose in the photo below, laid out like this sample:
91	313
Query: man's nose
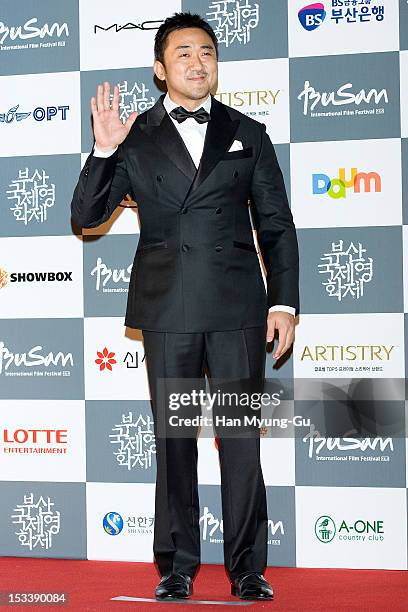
196	63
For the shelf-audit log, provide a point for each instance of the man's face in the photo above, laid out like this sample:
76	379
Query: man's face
190	66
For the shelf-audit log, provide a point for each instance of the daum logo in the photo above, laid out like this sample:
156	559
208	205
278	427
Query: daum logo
341	97
358	531
337	187
31	30
312	16
39	114
325	529
112	523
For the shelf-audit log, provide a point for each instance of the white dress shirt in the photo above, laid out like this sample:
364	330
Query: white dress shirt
193	135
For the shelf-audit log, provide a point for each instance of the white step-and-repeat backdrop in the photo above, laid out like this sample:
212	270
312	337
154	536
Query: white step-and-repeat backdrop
77	450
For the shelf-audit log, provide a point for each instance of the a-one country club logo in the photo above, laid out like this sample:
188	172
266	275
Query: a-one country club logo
325	529
312	16
112	523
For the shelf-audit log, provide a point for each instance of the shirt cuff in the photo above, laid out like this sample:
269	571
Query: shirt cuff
288	309
98	153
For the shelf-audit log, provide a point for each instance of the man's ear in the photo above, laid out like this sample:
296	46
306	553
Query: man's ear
159	70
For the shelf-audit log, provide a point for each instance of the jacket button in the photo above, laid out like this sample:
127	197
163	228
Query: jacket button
159	178
185	247
235	173
218	247
218	210
183	211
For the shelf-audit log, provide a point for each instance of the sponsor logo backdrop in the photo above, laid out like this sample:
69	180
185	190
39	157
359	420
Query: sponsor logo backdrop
77	449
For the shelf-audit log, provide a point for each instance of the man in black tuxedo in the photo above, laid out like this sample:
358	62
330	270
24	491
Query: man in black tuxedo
196	291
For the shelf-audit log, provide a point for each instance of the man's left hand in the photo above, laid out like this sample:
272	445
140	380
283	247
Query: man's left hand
285	324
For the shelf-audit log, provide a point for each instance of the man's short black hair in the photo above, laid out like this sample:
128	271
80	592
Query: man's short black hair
180	21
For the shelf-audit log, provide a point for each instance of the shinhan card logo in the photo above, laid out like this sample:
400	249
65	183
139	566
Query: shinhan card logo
312	16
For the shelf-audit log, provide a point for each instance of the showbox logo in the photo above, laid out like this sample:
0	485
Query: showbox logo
34	277
312	16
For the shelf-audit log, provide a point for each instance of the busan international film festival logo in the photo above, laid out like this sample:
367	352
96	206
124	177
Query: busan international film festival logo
212	528
347	270
360	530
39	37
320	445
233	21
313	15
38	522
245	29
114	524
31	194
134	441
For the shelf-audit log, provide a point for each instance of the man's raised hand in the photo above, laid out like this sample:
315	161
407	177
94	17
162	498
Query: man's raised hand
109	131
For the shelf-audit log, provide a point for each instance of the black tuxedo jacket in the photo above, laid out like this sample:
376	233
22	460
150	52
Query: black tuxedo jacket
196	267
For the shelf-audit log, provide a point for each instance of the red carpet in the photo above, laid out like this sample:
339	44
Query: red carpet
91	585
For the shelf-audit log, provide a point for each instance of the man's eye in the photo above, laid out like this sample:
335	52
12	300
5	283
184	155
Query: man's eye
184	55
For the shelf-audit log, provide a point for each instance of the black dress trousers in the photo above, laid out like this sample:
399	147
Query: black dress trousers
232	354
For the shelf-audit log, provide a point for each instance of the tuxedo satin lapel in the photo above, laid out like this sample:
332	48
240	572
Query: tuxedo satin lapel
165	135
219	136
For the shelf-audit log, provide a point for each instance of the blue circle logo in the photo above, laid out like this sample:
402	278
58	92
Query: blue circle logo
112	523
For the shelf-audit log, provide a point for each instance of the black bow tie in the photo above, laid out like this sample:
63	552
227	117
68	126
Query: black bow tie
180	114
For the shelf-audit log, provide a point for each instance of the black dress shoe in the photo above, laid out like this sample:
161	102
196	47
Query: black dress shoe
174	586
251	586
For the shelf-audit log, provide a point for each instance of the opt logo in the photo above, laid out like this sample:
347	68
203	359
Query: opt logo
312	16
